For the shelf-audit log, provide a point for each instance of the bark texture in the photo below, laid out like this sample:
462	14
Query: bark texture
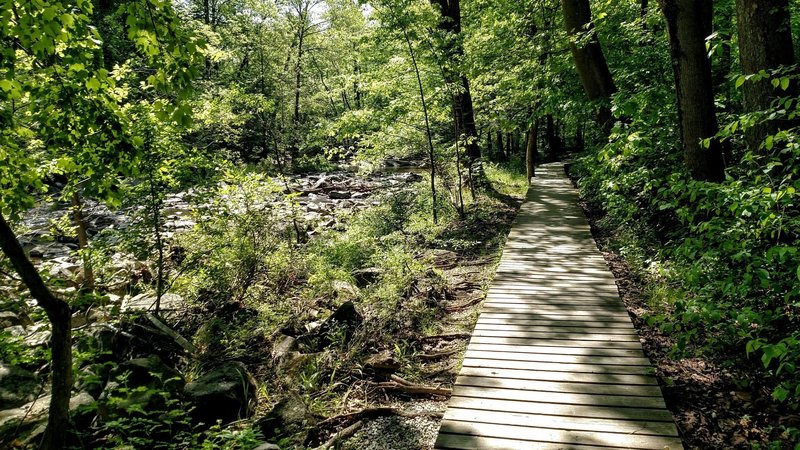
464	112
689	23
590	61
765	43
531	150
58	313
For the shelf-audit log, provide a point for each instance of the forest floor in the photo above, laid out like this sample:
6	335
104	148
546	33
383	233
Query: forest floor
715	406
404	420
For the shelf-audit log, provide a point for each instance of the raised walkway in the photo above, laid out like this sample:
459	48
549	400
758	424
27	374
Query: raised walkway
554	361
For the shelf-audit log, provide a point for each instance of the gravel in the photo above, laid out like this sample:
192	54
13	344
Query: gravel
400	433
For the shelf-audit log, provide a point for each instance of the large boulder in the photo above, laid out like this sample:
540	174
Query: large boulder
22	419
226	393
17	386
288	420
139	385
338	328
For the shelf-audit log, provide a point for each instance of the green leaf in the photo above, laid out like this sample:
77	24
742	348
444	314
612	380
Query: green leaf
740	81
785	83
769	142
93	84
5	85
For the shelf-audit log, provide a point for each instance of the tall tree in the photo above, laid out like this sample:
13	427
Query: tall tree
765	43
454	50
590	61
688	24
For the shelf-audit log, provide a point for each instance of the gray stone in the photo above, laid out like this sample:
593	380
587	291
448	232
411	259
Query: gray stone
339	194
289	418
226	393
9	319
283	345
17	386
28	415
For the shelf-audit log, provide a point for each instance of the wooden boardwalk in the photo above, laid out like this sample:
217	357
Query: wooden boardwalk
554	361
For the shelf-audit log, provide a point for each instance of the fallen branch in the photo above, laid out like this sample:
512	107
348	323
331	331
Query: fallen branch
437	355
373	412
452	336
463	306
413	388
180	340
343	434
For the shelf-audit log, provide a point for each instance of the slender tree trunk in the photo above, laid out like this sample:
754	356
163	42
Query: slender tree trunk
83	240
451	13
431	155
499	145
530	151
689	23
553	146
765	43
59	314
590	62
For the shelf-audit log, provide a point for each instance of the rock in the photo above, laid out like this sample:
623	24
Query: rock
28	415
338	328
267	446
17	386
383	361
226	393
15	330
138	386
339	195
38	338
367	276
9	319
93	378
283	345
150	371
146	302
288	419
344	289
411	177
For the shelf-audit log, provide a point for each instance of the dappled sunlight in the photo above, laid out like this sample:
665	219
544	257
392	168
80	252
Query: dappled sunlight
554	361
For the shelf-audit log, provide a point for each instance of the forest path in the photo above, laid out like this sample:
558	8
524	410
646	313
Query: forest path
554	360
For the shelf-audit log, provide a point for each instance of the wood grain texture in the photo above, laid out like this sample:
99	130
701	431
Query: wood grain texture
554	361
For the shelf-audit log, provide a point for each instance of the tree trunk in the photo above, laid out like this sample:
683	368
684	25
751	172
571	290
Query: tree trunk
83	240
499	145
431	155
590	62
451	13
530	151
553	144
765	43
689	23
58	313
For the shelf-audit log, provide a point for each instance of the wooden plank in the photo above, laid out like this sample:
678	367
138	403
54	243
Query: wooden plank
447	441
556	367
570	322
553	329
535	434
527	315
563	398
561	409
607	352
563	423
566	359
576	336
570	309
555	342
532	309
576	377
559	386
